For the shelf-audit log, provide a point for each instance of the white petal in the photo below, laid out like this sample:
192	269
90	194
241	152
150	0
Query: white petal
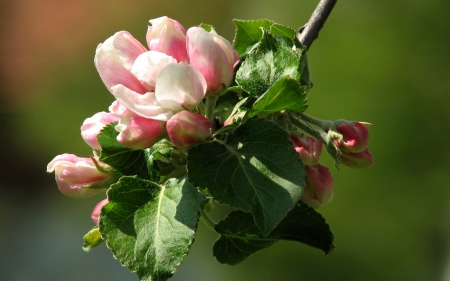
144	105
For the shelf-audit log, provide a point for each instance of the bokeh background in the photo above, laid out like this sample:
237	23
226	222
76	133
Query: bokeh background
385	62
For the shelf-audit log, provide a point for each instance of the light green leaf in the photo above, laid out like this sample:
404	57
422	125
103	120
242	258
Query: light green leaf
285	94
92	239
248	33
283	33
265	65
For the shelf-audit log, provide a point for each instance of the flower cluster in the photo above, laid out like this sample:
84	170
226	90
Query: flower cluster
157	91
348	143
199	120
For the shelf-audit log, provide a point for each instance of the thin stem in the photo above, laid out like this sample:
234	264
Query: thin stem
210	106
318	134
310	31
207	220
323	124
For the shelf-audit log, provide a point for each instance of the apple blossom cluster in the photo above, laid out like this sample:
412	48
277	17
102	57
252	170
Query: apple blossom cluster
198	120
155	90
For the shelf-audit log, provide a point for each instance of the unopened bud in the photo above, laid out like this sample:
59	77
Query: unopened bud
186	128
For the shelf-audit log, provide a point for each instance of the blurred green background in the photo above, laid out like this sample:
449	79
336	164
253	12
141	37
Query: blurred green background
386	62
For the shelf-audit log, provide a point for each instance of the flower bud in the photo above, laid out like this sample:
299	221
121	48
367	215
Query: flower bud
357	160
308	148
318	187
114	59
355	137
186	128
93	125
79	177
97	209
138	132
213	56
168	36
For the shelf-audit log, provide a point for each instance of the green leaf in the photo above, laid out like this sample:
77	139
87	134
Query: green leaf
255	170
170	162
123	159
206	27
305	77
149	227
285	94
240	238
248	34
92	239
268	63
283	33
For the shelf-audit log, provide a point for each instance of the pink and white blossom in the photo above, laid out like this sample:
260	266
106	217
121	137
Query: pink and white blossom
77	176
138	132
97	209
167	36
180	86
114	59
213	56
93	125
186	128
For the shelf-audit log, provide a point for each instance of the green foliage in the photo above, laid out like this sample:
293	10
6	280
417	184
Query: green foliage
285	94
248	34
124	160
92	239
240	237
270	61
250	165
150	227
255	170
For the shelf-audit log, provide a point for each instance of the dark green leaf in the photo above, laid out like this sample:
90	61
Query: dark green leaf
285	94
305	77
239	236
152	166
248	33
123	159
149	227
256	170
268	63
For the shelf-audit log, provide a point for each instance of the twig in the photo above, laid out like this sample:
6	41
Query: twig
310	31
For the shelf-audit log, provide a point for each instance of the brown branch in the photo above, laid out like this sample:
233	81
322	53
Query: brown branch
310	31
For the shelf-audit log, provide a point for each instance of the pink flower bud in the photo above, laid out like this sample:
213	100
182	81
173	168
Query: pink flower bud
78	177
114	59
168	36
355	137
308	148
186	128
139	132
97	209
213	56
319	186
358	160
93	125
